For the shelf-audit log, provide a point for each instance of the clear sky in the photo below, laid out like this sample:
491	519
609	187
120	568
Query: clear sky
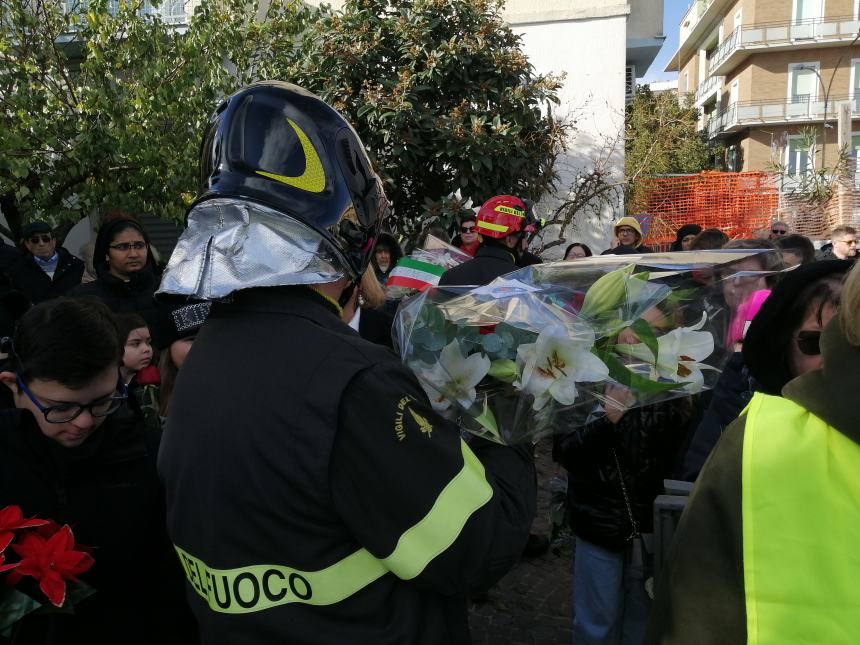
673	11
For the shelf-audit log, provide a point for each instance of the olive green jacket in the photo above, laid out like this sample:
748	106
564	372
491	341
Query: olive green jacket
700	598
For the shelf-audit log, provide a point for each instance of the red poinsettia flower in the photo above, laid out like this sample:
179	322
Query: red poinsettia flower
12	519
149	375
6	567
51	562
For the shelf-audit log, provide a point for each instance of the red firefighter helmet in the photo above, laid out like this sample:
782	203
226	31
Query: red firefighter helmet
503	215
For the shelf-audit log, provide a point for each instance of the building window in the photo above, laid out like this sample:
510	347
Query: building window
854	89
855	154
806	11
800	154
802	82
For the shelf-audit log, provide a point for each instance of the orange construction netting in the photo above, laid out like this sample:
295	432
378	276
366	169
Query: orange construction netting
738	203
742	204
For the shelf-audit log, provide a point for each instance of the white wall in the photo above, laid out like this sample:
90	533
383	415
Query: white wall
592	52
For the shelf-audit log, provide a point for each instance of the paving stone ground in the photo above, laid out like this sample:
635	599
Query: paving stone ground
531	605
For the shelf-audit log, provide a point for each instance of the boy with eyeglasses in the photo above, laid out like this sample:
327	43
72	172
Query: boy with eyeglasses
65	456
46	271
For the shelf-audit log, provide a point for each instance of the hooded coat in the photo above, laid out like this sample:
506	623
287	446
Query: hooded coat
387	240
633	223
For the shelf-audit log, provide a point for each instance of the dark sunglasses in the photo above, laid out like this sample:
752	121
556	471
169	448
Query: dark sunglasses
43	239
127	246
777	231
808	342
467	229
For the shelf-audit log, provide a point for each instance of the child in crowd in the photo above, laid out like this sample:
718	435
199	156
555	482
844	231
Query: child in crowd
137	350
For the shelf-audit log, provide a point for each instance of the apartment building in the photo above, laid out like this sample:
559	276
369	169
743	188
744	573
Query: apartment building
764	73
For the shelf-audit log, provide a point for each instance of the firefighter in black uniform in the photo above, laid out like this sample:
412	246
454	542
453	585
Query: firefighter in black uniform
313	494
503	221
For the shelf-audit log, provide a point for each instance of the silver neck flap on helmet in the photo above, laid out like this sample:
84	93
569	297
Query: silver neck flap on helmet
234	244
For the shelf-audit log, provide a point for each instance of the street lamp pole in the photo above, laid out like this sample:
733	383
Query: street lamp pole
827	96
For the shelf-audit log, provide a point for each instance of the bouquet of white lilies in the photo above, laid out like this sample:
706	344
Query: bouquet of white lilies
534	352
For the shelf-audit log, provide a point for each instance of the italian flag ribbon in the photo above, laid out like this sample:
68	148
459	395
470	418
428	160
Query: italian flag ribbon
415	274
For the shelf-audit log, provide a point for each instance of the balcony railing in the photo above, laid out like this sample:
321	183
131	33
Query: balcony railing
802	108
694	13
813	30
707	86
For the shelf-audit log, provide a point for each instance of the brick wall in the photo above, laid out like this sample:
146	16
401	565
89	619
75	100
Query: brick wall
769	72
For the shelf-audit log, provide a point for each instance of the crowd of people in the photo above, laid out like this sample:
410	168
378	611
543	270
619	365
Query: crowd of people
264	468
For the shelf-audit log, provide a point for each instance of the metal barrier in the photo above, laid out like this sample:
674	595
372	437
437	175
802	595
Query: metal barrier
667	514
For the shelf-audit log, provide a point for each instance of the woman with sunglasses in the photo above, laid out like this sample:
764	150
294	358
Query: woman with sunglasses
65	457
468	240
126	269
766	550
781	342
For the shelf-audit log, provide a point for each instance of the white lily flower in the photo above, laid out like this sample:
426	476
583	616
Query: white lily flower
679	354
453	377
551	366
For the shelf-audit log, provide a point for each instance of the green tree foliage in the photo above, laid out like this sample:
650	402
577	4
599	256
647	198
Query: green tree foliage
105	109
441	94
662	137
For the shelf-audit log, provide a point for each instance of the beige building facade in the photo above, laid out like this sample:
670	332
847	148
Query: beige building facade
771	78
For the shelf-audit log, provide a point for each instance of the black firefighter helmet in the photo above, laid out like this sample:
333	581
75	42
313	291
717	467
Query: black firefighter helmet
277	144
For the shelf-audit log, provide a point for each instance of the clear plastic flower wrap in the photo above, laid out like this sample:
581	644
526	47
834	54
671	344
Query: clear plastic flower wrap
422	268
536	351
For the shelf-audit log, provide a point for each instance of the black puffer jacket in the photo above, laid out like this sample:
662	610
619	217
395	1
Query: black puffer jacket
646	441
36	285
107	490
136	295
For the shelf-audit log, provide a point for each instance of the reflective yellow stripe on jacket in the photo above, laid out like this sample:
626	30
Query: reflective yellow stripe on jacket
258	587
801	527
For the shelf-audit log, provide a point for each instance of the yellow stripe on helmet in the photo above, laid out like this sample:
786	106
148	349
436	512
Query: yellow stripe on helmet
493	227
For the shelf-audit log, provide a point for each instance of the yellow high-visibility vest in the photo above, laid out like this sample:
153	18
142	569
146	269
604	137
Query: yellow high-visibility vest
801	527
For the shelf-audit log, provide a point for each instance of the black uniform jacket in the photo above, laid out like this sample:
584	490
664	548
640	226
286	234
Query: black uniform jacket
28	278
294	444
107	490
490	262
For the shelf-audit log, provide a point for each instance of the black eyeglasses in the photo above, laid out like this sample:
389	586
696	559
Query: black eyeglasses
809	342
777	231
37	239
65	412
128	246
467	229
